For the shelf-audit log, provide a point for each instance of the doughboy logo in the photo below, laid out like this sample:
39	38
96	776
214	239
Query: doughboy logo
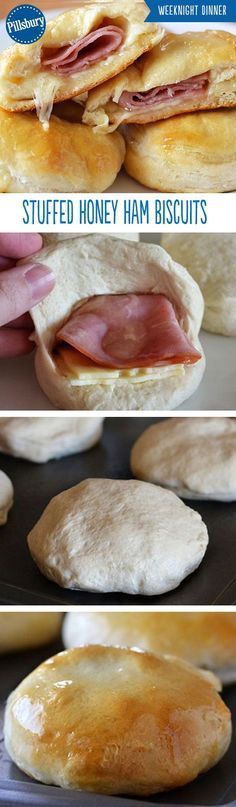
25	24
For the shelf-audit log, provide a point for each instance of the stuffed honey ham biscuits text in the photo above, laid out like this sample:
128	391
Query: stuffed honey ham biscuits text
120	329
182	73
79	49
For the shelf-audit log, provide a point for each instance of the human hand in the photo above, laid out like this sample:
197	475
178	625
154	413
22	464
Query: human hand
21	287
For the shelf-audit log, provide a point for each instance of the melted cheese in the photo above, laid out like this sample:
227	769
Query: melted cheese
44	98
82	375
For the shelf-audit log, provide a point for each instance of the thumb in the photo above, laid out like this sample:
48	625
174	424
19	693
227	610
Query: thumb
21	288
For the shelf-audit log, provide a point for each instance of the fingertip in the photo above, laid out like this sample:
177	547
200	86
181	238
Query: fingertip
14	343
19	245
33	243
40	280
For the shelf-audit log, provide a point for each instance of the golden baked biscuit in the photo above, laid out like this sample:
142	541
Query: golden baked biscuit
79	49
68	157
205	639
183	73
21	631
193	152
110	720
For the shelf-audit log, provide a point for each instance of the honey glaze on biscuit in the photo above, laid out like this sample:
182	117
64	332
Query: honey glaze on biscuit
119	721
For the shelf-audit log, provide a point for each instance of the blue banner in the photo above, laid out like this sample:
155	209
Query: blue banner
191	12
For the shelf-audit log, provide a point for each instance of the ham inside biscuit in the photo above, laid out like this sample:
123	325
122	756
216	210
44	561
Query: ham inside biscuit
91	49
128	330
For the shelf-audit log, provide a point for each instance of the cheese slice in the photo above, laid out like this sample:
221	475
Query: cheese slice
68	363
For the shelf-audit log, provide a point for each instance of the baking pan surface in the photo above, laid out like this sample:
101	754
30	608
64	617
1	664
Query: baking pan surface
22	583
217	787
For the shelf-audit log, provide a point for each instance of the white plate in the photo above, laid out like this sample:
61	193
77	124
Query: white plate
124	183
20	390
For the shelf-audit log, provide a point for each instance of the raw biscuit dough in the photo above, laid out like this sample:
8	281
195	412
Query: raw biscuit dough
55	238
110	535
195	457
211	260
40	439
116	721
98	264
6	496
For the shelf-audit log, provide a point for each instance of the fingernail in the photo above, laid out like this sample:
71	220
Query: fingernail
41	281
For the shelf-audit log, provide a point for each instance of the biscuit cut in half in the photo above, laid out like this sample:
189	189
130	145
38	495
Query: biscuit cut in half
68	157
95	349
183	73
108	535
194	457
6	497
211	260
40	439
196	152
79	49
205	639
106	720
22	631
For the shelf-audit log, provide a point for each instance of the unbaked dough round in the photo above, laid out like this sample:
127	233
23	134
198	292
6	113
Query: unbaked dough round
195	457
21	631
110	535
211	260
205	639
6	496
55	238
111	720
40	439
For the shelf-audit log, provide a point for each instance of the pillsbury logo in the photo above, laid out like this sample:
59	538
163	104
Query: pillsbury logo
25	24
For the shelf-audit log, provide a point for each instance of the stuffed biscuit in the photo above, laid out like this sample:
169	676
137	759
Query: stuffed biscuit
120	329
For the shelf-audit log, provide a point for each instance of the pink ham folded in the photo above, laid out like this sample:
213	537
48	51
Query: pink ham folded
128	330
86	51
164	95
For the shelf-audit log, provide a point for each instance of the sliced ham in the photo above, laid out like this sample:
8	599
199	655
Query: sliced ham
128	330
166	94
90	49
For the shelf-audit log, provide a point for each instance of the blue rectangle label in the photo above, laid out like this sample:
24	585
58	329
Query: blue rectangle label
194	12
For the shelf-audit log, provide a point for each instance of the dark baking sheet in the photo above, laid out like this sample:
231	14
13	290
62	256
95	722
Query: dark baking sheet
218	786
21	582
